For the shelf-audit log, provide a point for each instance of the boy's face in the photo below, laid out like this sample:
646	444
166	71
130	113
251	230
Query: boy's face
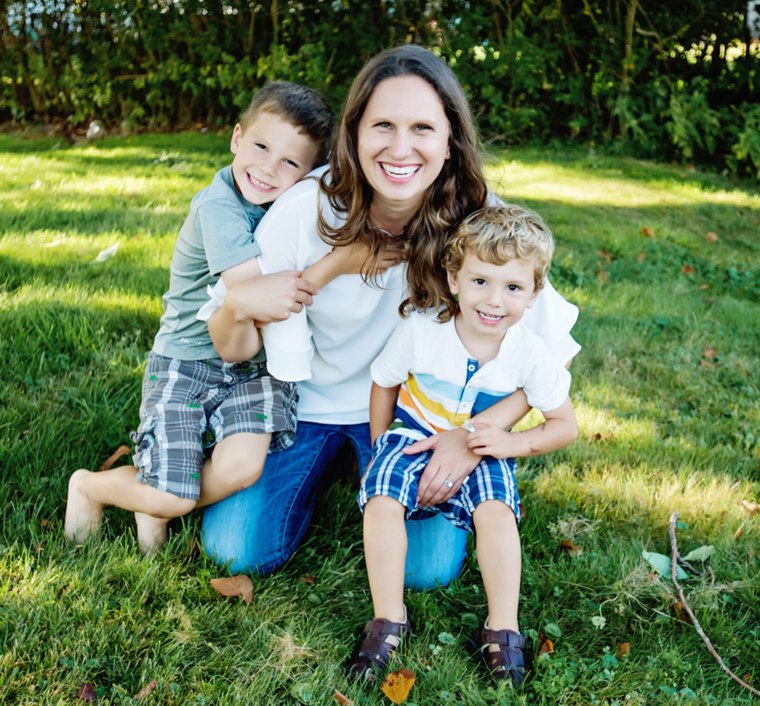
270	156
492	297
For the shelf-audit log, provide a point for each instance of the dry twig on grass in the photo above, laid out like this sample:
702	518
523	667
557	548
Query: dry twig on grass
675	558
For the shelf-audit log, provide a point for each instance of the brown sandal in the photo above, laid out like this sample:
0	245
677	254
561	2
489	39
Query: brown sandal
510	661
376	648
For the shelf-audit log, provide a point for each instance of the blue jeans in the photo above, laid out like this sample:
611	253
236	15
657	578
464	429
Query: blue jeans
258	529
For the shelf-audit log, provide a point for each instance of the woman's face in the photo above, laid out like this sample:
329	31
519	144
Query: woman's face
403	140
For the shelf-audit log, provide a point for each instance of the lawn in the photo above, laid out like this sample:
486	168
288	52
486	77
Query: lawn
664	263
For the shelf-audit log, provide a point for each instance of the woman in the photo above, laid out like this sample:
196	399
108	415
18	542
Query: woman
405	169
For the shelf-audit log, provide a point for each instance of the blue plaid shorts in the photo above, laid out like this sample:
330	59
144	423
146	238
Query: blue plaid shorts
188	406
394	474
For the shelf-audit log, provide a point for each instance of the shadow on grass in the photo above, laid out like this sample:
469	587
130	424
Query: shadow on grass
71	271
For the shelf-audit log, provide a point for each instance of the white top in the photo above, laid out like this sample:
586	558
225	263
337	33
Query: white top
329	346
443	385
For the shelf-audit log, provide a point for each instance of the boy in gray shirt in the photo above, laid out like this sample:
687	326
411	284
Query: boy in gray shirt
205	424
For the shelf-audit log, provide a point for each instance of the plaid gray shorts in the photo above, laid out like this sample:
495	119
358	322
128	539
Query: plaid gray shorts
188	406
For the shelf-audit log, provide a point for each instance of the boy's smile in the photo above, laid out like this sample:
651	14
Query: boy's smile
271	155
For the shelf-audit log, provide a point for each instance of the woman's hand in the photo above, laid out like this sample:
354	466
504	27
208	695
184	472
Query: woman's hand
448	468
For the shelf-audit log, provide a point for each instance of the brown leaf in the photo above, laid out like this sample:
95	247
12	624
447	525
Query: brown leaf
711	237
546	647
309	579
147	689
752	508
115	456
687	270
87	692
342	699
641	257
606	255
569	548
397	685
239	585
647	232
680	611
709	352
623	648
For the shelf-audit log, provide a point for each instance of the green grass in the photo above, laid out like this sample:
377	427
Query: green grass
666	390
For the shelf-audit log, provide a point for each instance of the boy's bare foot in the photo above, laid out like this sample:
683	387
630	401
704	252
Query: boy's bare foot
152	532
83	514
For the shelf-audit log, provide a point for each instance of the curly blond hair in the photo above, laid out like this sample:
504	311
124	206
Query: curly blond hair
498	234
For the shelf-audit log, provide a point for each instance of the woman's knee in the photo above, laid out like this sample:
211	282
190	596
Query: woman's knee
436	553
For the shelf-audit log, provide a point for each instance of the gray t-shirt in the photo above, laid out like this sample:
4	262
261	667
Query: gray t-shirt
216	235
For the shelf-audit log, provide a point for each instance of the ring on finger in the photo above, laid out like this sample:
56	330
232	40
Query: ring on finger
448	483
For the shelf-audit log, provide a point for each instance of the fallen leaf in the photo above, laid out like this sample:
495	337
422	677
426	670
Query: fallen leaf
546	647
711	237
342	699
568	547
681	612
87	692
687	270
606	255
752	508
308	579
107	254
147	689
397	685
647	232
623	648
115	456
232	586
709	352
661	564
702	553
641	257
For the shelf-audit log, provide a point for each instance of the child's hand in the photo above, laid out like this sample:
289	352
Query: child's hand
271	297
350	259
489	440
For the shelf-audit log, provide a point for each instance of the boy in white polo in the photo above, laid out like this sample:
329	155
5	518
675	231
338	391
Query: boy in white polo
439	369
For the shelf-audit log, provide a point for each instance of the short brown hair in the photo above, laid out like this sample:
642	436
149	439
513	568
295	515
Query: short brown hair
301	106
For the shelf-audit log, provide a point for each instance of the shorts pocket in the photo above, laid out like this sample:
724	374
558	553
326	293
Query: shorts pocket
145	441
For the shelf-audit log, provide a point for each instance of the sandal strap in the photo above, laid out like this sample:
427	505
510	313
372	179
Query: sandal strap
375	649
510	659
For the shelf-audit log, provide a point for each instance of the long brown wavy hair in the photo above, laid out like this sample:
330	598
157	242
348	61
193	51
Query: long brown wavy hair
459	189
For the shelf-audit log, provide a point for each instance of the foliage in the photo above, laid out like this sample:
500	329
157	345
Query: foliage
663	263
677	81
